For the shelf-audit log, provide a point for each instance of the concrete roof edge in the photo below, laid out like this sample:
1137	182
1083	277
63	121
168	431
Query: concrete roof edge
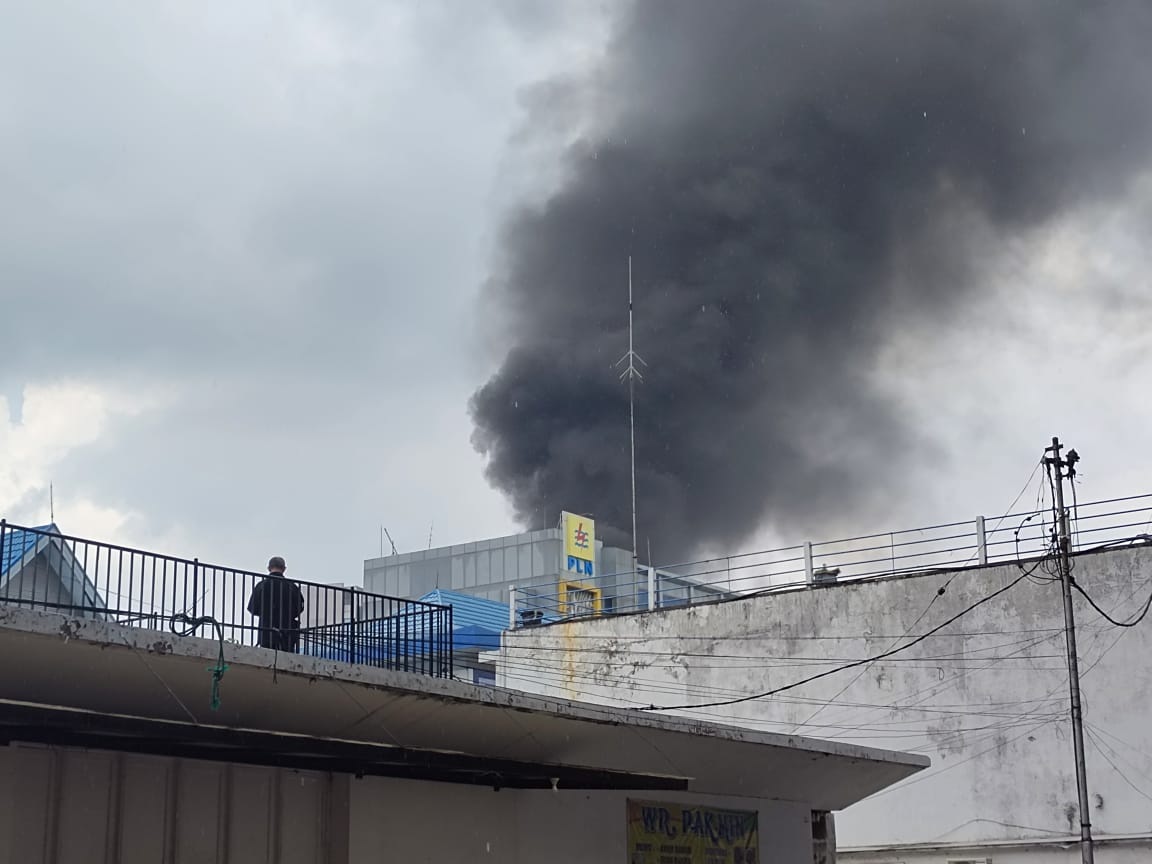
50	624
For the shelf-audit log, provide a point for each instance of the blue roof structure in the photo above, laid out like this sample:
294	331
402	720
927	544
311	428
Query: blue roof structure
476	622
22	545
18	543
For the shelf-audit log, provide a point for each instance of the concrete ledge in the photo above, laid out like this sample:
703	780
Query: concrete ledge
97	666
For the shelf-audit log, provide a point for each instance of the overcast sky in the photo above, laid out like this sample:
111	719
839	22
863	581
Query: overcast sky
242	254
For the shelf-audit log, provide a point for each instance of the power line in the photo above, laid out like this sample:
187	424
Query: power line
549	677
1100	730
660	686
1140	617
939	593
602	656
531	631
1100	745
854	664
929	775
894	706
882	730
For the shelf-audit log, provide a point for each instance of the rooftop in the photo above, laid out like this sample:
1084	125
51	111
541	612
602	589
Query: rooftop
113	687
476	622
461	548
19	543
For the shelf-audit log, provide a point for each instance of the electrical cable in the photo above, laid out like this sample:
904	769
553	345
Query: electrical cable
881	732
864	670
852	665
647	639
1132	623
1100	745
556	680
191	625
755	637
1100	730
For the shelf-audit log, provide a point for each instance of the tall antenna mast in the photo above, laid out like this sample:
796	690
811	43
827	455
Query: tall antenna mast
391	542
51	504
632	373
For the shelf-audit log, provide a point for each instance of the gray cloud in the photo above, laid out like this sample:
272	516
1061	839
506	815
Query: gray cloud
798	184
269	221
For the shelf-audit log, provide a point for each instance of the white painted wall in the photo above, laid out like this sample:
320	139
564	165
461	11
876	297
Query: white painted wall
986	699
434	823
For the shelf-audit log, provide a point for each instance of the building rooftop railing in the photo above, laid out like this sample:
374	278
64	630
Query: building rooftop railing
953	545
43	569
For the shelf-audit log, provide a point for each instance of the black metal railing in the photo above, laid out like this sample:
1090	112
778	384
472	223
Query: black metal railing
42	569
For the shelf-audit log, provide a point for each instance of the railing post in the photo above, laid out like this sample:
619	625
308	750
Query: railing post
808	571
3	531
352	635
981	541
651	588
195	587
511	607
451	643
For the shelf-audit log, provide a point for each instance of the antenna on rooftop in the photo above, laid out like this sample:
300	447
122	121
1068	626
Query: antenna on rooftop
384	533
632	374
51	504
430	527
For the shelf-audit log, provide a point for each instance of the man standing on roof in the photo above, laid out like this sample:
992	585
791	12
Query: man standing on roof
278	603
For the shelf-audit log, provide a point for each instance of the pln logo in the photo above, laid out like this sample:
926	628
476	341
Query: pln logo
579	544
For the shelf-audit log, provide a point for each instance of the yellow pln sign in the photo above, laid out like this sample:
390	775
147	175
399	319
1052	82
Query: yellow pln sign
579	544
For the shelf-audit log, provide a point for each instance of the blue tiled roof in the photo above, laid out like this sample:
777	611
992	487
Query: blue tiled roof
19	543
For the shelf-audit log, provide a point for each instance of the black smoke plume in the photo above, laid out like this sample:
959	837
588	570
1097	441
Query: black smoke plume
795	181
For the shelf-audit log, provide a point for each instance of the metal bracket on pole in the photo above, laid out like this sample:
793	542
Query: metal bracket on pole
651	588
981	541
511	607
808	571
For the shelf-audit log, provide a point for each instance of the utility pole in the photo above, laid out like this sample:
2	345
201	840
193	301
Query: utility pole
1056	466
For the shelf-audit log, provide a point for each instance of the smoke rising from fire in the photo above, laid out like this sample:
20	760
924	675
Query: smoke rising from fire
796	182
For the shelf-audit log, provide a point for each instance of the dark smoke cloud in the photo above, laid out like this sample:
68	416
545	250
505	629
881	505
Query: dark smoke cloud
796	182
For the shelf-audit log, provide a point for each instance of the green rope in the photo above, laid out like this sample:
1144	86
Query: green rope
190	628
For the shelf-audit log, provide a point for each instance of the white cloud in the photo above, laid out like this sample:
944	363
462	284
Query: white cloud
55	421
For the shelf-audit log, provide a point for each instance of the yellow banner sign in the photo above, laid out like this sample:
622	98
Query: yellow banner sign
579	544
685	834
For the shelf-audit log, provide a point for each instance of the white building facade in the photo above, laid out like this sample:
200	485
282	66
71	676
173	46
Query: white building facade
986	698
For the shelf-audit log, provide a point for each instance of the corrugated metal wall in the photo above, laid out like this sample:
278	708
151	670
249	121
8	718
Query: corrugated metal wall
62	806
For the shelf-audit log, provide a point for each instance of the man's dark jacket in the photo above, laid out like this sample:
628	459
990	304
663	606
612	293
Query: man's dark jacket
278	603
